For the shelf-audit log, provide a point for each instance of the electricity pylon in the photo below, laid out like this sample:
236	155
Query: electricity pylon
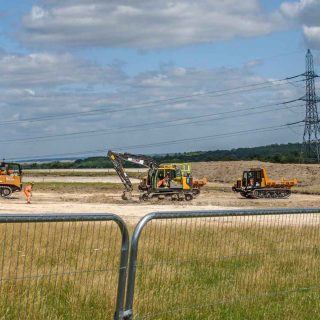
311	145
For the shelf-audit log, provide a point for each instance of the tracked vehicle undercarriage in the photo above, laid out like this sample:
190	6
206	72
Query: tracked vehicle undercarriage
255	184
274	193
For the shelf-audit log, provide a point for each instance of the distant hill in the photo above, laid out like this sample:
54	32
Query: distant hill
276	153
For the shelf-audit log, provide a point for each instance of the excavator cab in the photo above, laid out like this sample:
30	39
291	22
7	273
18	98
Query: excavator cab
173	176
10	178
252	178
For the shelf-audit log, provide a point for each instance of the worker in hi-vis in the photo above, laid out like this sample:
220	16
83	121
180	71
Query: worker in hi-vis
28	192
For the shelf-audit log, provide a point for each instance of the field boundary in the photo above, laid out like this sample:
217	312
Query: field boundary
174	259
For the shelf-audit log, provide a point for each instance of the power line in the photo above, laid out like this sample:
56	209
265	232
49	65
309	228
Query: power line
157	144
155	125
155	103
170	142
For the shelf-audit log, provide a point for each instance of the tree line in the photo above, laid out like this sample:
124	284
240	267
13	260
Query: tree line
276	153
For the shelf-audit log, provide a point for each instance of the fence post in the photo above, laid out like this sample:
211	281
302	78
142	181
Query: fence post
122	269
128	313
124	250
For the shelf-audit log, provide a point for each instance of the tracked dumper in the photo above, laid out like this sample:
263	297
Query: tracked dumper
255	184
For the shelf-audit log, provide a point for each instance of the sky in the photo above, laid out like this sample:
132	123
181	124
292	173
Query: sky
80	77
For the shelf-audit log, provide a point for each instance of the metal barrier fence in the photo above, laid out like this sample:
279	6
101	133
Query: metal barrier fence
243	264
183	265
62	266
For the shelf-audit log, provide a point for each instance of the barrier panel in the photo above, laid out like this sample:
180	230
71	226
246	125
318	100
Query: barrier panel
183	265
62	266
243	264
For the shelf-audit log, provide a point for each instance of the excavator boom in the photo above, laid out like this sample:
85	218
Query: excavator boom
117	163
117	160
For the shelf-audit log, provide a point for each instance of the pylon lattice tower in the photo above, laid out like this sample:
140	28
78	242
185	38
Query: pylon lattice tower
311	144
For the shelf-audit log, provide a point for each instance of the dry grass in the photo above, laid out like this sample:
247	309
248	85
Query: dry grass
229	269
59	270
71	173
74	187
219	172
229	171
226	268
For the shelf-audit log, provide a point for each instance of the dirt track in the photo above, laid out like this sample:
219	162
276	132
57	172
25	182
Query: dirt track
50	202
216	195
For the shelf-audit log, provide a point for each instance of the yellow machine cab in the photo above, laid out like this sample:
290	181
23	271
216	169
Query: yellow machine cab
10	178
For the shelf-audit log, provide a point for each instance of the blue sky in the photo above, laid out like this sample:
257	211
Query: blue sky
62	60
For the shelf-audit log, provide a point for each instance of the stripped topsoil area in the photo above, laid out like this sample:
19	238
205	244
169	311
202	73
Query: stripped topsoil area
70	194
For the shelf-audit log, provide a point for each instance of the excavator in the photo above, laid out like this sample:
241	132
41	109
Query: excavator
163	180
10	178
256	184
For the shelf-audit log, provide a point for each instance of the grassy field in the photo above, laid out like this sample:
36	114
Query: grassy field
231	268
92	187
70	173
59	270
88	187
221	173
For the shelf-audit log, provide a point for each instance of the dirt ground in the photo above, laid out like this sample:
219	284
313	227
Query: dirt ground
229	171
216	195
51	202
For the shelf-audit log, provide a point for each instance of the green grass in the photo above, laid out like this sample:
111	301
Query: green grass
226	268
58	271
73	187
227	272
35	173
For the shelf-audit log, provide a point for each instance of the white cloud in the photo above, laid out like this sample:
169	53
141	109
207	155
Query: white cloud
31	92
312	35
42	84
40	69
37	13
144	24
307	14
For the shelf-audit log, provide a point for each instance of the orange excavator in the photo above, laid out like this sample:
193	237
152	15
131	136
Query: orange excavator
256	184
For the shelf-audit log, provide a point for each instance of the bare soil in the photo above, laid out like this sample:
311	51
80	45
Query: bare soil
111	202
96	197
229	171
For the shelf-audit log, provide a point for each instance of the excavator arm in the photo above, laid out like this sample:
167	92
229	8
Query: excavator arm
117	164
117	161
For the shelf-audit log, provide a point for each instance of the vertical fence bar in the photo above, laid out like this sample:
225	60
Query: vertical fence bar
259	239
40	273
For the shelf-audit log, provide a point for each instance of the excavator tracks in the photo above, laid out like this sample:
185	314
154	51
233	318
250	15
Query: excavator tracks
276	193
174	196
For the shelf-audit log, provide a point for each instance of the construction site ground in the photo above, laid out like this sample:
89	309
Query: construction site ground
87	191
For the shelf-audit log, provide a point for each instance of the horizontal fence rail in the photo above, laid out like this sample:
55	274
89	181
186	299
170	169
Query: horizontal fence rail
62	266
242	264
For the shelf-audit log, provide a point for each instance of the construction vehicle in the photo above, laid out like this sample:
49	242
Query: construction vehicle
163	180
255	184
10	178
